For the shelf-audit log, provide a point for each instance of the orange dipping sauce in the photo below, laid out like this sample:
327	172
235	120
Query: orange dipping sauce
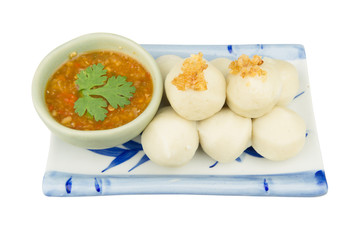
61	91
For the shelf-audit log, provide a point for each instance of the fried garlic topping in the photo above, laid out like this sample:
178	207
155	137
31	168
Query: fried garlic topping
192	76
247	67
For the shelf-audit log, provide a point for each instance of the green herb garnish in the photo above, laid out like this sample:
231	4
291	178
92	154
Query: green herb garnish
97	91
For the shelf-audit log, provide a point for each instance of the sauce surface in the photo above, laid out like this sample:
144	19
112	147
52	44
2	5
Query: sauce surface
61	91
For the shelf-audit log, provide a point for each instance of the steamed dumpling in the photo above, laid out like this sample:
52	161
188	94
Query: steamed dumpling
225	135
170	140
289	78
196	90
166	63
253	86
222	64
279	135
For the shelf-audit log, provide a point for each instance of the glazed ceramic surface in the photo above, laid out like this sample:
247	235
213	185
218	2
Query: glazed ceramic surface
90	42
125	169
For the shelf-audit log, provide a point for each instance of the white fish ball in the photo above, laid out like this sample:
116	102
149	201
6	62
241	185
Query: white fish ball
166	62
197	105
225	136
170	140
279	135
255	96
290	81
222	64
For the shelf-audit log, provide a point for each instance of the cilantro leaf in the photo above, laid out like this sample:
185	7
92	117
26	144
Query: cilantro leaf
94	106
116	91
91	77
97	92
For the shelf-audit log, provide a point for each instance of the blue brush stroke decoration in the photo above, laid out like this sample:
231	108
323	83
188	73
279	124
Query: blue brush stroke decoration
229	48
320	177
298	95
122	154
214	164
97	185
68	185
110	152
126	155
260	46
266	185
133	145
252	152
143	160
238	159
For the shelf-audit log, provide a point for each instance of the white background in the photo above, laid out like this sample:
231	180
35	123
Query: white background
330	33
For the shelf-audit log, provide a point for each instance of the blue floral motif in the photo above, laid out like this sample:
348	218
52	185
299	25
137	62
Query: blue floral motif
122	154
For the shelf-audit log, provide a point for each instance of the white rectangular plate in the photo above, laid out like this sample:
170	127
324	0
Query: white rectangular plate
73	171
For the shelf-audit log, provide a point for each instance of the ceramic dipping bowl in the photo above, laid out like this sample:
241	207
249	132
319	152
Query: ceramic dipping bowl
96	139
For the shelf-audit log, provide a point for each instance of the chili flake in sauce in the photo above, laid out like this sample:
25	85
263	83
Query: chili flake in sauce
61	91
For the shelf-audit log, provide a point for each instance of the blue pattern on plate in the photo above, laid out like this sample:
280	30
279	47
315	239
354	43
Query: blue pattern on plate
98	184
111	152
143	160
277	51
68	185
300	184
252	152
320	178
229	48
122	154
266	185
298	95
213	165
